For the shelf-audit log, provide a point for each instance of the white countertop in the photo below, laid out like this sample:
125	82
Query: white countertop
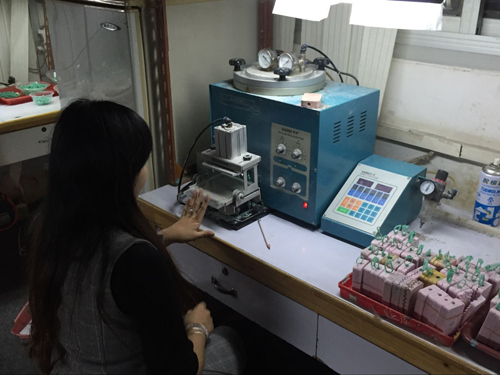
13	112
322	261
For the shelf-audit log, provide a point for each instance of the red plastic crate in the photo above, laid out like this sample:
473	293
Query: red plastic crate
350	294
21	321
23	98
471	329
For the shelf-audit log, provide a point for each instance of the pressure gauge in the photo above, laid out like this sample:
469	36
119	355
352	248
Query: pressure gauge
288	60
427	187
267	58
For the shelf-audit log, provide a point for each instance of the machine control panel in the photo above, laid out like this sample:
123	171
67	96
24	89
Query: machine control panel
290	160
367	198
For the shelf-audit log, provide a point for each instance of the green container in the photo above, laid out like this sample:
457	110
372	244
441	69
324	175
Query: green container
42	98
32	87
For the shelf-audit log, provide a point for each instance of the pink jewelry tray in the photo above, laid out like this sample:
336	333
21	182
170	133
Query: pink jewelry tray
471	329
350	294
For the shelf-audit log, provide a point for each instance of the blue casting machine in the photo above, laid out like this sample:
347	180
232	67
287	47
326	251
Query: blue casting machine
307	154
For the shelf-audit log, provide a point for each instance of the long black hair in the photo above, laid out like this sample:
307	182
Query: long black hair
98	149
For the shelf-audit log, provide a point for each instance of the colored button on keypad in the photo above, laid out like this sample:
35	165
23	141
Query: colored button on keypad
364	204
343	210
373	214
364	217
377	209
345	201
355	208
361	210
370	219
358	215
371	207
352	213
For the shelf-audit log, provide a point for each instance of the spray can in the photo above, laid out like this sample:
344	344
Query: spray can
487	207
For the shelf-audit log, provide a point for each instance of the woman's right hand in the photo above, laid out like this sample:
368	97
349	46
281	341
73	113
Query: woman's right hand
200	314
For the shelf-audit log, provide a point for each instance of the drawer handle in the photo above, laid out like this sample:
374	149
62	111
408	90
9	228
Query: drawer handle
223	290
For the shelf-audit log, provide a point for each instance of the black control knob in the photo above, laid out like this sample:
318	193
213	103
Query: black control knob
283	72
322	62
237	63
441	175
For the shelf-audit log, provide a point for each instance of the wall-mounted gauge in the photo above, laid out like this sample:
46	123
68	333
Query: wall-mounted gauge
268	58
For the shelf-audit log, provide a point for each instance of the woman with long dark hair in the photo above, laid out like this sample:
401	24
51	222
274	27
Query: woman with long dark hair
104	294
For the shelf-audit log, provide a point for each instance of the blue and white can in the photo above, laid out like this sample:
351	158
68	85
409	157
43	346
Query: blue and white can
487	207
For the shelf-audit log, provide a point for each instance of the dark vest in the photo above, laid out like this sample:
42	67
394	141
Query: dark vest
92	346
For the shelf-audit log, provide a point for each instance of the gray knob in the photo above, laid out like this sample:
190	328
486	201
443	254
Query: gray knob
280	182
296	188
296	154
281	149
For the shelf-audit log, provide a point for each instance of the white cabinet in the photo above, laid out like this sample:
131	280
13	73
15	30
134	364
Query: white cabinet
278	314
347	353
25	144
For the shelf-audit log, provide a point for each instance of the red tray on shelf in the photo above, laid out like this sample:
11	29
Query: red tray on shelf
350	294
23	98
471	329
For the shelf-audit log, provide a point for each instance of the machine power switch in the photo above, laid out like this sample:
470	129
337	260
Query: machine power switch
296	154
281	149
280	182
296	188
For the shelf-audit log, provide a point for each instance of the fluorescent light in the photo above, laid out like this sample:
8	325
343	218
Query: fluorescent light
409	15
311	10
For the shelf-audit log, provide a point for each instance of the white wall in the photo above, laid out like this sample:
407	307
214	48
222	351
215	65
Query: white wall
448	109
202	39
458	105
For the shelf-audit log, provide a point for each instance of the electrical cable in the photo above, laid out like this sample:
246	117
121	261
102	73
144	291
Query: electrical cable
14	208
349	75
305	46
328	74
179	191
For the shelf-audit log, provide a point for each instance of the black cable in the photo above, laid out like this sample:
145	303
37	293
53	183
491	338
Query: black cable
324	55
179	191
339	73
349	75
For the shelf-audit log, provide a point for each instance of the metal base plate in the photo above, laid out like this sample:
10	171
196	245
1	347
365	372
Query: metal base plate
254	212
255	80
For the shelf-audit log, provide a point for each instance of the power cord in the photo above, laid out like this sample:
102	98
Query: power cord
303	49
226	120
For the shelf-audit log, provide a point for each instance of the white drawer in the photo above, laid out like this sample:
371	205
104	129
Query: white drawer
25	144
347	353
278	314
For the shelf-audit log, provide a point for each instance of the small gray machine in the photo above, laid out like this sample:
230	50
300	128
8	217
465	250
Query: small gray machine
228	173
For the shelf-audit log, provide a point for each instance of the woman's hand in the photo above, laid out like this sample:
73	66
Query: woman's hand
188	227
201	315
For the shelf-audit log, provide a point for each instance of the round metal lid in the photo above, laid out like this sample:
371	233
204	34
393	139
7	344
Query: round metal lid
251	78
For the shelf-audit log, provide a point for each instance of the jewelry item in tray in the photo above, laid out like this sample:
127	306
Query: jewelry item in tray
440	290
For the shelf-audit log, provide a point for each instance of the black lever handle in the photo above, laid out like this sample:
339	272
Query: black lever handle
221	289
283	72
237	63
321	62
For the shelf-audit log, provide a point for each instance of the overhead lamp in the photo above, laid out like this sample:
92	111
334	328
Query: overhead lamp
396	14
